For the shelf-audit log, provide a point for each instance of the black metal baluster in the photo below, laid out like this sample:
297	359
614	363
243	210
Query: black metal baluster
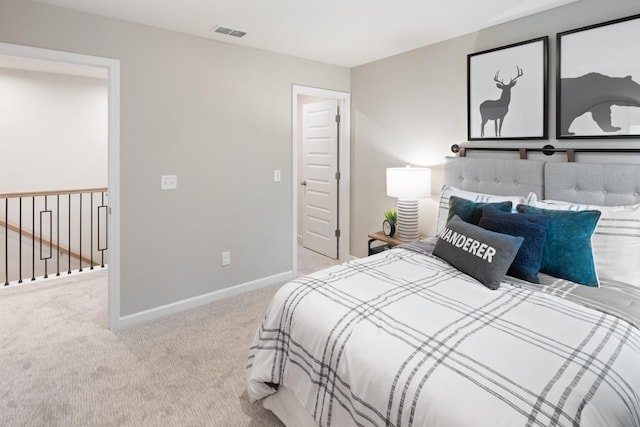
20	242
57	234
91	245
47	212
106	228
41	235
69	249
33	238
101	248
80	230
102	208
6	242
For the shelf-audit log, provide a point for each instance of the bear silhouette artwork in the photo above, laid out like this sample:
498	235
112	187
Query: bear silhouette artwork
596	93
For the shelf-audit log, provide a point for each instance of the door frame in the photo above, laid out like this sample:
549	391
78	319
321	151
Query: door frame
344	153
113	157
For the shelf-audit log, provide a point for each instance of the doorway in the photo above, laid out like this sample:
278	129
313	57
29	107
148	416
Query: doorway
338	226
61	59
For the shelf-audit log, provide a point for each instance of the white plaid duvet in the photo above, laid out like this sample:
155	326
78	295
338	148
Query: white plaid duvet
404	339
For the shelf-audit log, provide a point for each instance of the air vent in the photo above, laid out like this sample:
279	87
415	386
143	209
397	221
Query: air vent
223	30
228	31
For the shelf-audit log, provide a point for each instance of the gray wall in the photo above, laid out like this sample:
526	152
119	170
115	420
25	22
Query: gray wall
216	115
411	108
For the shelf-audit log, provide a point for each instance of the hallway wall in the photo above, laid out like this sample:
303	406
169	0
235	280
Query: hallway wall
53	131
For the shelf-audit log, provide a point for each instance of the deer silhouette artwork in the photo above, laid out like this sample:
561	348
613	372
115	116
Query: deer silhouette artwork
496	109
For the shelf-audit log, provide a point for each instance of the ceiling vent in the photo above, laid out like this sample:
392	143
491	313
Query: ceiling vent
228	31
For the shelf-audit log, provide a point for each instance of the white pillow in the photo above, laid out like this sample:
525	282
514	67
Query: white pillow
615	241
447	192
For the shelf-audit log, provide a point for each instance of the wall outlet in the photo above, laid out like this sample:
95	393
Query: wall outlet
168	182
226	258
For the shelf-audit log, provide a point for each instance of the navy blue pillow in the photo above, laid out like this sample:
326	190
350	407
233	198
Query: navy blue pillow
533	228
567	248
470	211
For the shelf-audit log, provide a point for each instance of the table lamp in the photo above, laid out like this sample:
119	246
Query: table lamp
408	184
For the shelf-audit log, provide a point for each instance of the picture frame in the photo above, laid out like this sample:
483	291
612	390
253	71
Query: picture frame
598	81
496	108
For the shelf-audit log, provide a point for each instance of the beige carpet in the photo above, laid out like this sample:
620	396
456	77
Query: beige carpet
60	366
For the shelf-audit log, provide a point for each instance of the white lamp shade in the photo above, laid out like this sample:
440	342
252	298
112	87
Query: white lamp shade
408	182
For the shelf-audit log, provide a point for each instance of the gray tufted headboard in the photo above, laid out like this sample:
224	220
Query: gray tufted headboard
583	183
593	183
504	177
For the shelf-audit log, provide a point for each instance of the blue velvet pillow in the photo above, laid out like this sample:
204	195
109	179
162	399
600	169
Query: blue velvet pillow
567	248
470	211
482	254
533	228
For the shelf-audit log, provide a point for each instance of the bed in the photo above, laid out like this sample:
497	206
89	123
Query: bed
418	336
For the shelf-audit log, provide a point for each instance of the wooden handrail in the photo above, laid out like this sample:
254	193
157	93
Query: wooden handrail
30	235
52	192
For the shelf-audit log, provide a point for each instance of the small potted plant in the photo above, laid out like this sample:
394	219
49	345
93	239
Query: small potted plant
389	224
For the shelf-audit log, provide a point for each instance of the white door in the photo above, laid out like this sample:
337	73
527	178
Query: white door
320	177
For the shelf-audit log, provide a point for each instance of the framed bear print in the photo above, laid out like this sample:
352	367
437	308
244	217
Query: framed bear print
507	92
598	81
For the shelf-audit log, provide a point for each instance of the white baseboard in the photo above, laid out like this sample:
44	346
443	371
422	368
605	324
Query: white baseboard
176	307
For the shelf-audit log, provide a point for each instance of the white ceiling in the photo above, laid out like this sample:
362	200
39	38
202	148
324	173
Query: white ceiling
341	32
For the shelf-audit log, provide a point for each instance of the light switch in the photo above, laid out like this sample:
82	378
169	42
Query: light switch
276	175
226	258
168	182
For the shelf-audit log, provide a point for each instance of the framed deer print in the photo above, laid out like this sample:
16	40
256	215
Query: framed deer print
598	81
507	92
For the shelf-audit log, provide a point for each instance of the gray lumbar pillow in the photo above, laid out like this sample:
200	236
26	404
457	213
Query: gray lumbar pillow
482	254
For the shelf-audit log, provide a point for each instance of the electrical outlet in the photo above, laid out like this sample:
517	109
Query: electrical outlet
168	182
226	258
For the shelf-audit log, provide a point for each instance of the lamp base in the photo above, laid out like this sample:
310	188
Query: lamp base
408	220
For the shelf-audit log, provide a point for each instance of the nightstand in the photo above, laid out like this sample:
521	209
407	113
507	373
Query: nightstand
388	242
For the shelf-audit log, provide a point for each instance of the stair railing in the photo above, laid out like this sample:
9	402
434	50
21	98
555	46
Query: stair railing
62	226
